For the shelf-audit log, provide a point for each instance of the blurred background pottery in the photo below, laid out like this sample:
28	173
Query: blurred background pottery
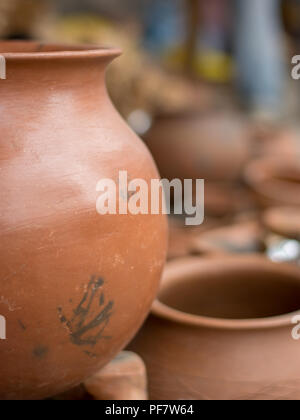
75	286
284	221
282	236
213	146
239	238
224	200
221	330
275	181
279	142
181	237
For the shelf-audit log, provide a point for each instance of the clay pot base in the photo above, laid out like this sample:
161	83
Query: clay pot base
124	378
240	288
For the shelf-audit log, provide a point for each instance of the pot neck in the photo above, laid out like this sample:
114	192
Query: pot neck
79	75
41	71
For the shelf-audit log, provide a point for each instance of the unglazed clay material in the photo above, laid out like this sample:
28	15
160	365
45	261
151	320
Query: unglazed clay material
181	237
74	286
212	146
221	329
275	181
284	221
240	238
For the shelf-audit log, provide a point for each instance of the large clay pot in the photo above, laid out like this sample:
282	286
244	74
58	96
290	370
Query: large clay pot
275	181
75	286
221	329
213	146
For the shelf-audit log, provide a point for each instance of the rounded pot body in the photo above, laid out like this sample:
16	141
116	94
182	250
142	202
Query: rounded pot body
75	285
190	356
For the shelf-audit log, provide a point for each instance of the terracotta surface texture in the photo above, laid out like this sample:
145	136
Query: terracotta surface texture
74	286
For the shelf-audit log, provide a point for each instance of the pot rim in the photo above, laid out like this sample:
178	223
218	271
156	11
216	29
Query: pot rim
178	269
58	50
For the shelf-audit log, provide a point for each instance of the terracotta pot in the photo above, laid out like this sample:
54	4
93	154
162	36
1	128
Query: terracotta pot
181	237
227	199
277	141
212	146
221	329
240	238
75	286
275	181
282	234
283	221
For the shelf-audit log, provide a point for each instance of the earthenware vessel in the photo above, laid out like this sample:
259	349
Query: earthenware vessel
75	286
239	238
213	146
182	237
226	199
278	141
221	329
275	181
284	221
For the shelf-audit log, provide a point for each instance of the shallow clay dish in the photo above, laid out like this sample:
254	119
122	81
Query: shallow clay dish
221	329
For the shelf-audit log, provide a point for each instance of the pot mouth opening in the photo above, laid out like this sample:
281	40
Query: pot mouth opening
227	293
40	50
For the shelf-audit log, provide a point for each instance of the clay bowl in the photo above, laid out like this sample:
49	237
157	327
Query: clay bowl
275	181
221	329
239	238
213	146
283	221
